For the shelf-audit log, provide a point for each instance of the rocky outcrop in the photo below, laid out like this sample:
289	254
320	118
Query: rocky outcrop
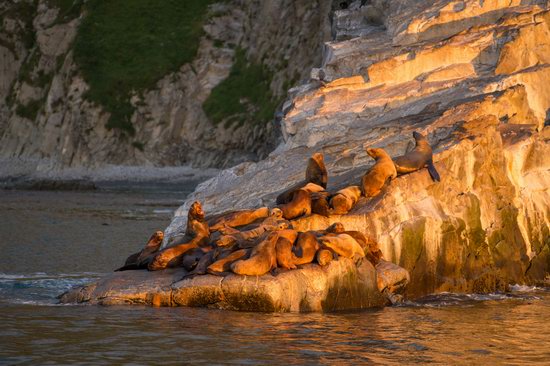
341	285
472	76
47	122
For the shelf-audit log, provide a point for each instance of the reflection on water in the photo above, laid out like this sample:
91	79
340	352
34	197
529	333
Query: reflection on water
52	241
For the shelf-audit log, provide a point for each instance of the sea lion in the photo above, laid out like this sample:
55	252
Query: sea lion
263	258
283	248
196	226
206	260
384	169
300	205
238	218
139	260
224	264
197	234
335	228
244	238
306	247
320	204
192	258
343	245
344	200
419	157
324	256
316	173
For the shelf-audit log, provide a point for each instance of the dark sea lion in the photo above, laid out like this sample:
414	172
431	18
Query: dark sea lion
419	157
238	218
384	169
316	173
285	256
197	234
344	200
344	245
139	260
306	247
324	256
263	258
192	258
223	265
206	260
299	206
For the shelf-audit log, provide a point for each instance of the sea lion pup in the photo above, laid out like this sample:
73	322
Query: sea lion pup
197	234
419	157
343	245
263	258
223	265
192	258
306	247
238	218
316	173
344	200
206	260
384	169
139	260
285	257
299	206
324	256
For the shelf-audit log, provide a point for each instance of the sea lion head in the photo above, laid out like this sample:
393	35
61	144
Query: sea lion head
157	237
336	228
418	136
196	211
318	157
276	213
376	153
283	225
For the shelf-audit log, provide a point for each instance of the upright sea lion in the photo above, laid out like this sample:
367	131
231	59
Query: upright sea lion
238	218
197	234
299	206
324	256
343	245
139	260
418	158
263	258
316	173
344	200
224	264
306	247
384	169
285	257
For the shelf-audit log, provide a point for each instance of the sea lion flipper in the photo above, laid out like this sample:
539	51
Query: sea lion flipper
433	171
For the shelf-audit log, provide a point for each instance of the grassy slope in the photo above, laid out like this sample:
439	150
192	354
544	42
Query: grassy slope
127	46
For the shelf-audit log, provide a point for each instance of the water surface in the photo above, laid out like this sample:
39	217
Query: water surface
51	241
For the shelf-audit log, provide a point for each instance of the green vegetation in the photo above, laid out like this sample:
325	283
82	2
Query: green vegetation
24	11
124	47
30	110
244	96
68	9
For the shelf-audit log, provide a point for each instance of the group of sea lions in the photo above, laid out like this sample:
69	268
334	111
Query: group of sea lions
255	242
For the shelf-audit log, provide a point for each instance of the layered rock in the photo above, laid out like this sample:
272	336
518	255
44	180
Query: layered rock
472	76
341	285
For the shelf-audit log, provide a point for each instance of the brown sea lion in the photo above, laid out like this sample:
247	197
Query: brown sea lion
316	173
263	258
343	245
139	260
238	218
344	200
285	256
384	169
419	157
243	238
197	234
299	206
320	204
196	226
335	228
306	247
224	264
324	256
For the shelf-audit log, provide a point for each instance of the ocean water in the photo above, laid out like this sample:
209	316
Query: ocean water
51	241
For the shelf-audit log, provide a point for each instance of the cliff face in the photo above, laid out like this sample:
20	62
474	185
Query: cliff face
48	120
471	75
